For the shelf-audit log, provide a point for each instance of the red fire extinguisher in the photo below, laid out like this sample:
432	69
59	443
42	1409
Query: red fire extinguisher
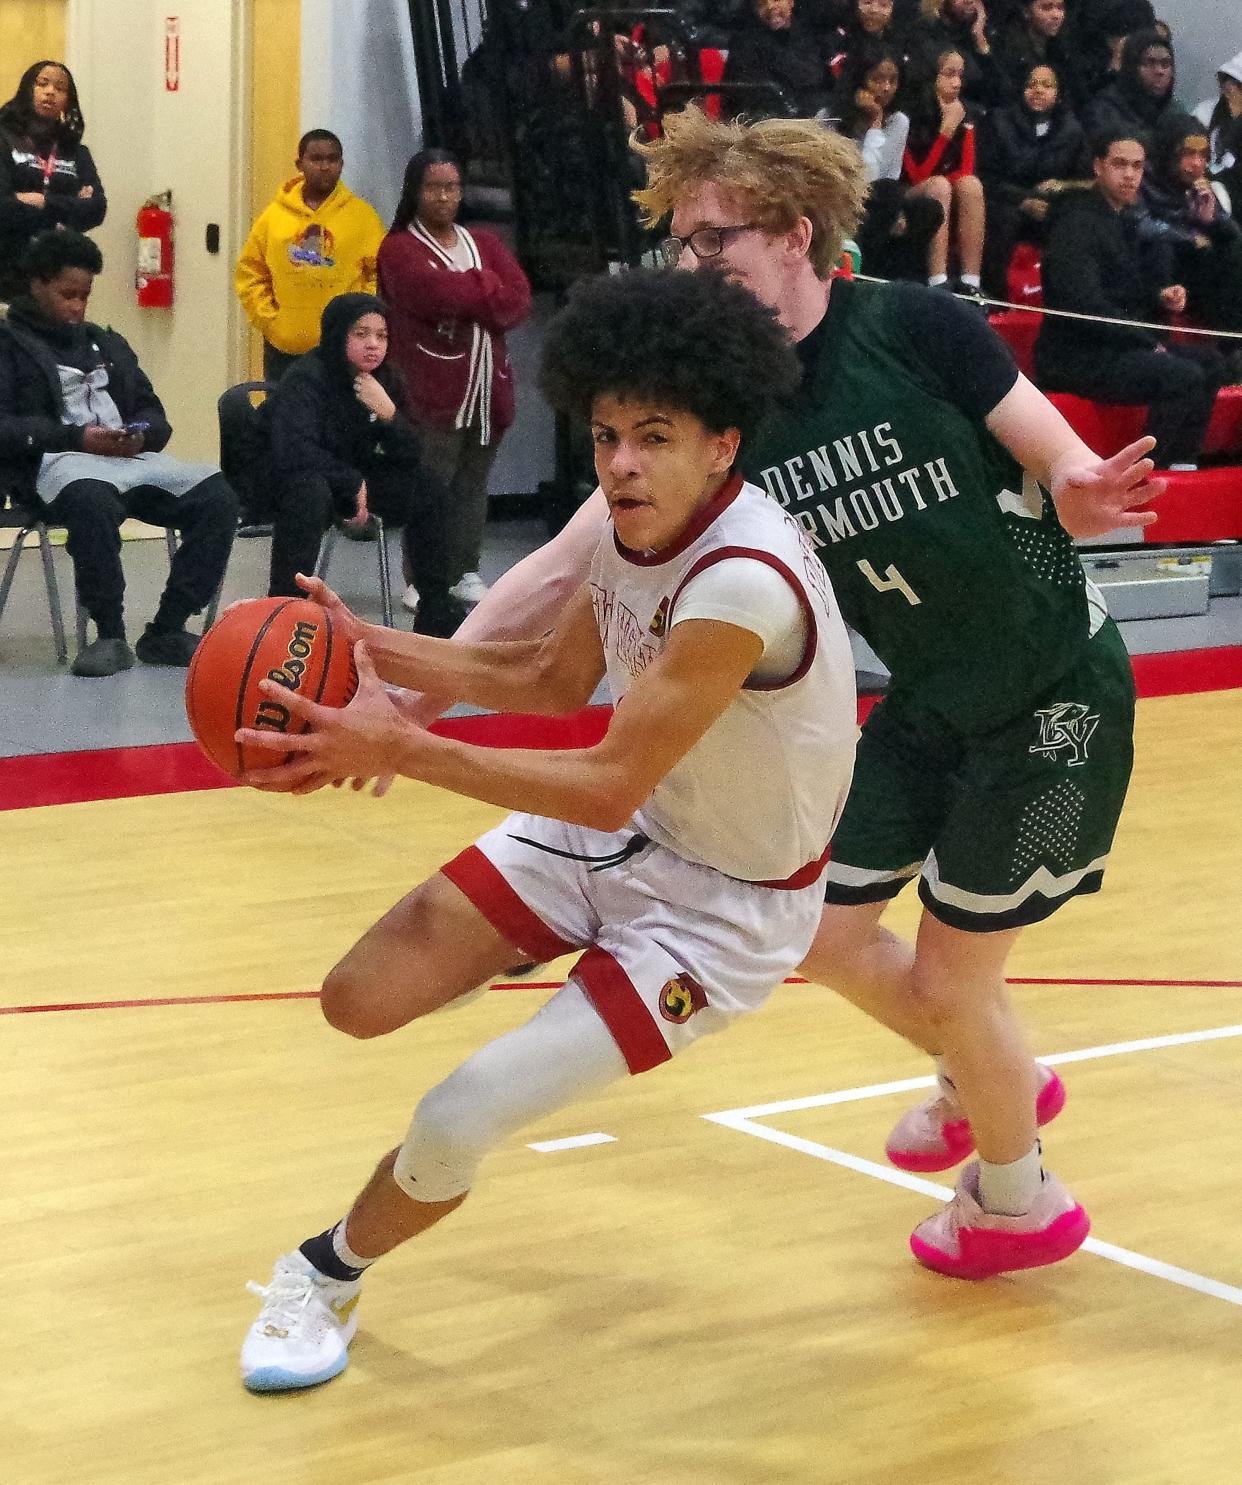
155	252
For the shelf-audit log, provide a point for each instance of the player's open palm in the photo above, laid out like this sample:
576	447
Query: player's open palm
344	620
1098	495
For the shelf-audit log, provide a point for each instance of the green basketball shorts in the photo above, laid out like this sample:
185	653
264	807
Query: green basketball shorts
1000	829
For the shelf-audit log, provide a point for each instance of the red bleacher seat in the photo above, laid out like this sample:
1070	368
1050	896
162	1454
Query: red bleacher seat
1025	276
1019	331
1203	505
1224	432
1104	426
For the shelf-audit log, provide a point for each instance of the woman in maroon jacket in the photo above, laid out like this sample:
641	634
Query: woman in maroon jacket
452	294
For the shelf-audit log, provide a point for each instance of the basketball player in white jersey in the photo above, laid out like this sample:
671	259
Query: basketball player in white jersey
684	854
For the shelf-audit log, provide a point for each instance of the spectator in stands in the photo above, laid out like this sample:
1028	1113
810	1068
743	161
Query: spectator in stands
1029	152
1141	96
452	294
939	162
1223	118
1206	241
1096	32
963	26
898	226
1037	34
1095	264
774	48
47	176
342	447
81	435
866	22
315	240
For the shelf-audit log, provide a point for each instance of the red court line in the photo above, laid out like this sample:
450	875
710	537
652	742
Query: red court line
166	1000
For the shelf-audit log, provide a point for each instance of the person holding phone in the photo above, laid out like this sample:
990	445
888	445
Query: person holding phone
82	435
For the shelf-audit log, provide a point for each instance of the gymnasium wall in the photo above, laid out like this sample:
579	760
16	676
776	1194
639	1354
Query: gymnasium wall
1205	34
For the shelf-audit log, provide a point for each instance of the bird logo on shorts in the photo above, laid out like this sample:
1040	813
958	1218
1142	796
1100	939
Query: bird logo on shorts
680	998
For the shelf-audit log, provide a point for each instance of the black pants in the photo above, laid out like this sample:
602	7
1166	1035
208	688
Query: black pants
1008	225
400	497
92	512
1178	384
895	231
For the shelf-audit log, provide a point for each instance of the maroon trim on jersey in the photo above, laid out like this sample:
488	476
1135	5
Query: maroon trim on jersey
699	522
482	882
805	876
622	1009
726	554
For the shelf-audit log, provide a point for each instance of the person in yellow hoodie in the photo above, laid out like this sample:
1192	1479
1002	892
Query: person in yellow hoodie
316	240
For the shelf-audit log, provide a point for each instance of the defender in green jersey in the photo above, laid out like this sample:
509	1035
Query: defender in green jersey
942	489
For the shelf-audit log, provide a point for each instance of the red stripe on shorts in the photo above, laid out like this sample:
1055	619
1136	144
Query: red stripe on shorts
473	874
611	991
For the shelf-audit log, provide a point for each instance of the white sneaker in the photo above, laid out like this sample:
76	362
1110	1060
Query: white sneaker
409	599
302	1335
469	588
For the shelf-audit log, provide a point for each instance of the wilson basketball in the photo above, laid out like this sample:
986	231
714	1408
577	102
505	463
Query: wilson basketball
286	640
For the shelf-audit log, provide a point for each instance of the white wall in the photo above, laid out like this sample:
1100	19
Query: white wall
358	80
146	139
1205	34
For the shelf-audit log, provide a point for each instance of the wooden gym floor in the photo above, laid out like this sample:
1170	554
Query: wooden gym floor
720	1293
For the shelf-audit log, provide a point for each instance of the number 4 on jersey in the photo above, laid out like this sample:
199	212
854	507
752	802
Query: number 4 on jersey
891	582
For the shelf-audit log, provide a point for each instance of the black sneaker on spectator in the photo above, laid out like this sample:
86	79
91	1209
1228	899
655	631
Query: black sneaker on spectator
166	646
970	294
355	532
103	657
439	620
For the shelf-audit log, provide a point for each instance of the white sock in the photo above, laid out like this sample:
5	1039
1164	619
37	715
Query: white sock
971	280
936	279
347	1255
1010	1190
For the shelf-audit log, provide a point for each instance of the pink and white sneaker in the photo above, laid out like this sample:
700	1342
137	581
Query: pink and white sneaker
965	1242
936	1134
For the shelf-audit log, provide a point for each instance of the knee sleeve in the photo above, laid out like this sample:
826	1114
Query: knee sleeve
563	1053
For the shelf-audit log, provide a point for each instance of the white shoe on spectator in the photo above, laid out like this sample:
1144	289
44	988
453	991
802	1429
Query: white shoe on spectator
409	599
470	588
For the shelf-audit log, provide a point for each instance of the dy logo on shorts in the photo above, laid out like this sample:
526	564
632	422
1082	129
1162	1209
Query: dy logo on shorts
1065	725
680	998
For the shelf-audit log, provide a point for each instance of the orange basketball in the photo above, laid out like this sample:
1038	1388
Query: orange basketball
287	640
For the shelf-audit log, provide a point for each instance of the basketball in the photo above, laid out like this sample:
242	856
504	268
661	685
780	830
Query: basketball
287	640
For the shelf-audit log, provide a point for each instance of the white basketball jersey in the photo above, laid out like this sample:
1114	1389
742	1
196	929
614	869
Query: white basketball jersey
758	796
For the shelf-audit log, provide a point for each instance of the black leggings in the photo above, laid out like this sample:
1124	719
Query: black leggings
399	497
92	512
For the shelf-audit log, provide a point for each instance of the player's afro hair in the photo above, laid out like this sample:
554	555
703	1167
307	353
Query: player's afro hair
689	340
50	253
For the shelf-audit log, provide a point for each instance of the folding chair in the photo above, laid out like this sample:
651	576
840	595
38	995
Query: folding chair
29	522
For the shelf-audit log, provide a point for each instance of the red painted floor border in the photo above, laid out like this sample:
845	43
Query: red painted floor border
167	1000
173	768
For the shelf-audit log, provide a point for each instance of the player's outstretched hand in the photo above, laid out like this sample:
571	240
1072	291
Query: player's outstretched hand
361	741
1095	496
344	619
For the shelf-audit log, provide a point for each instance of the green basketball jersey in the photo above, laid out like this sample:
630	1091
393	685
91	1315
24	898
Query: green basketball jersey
944	554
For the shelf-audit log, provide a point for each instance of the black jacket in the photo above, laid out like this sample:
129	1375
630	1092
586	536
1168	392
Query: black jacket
20	172
1013	159
1095	263
793	60
31	405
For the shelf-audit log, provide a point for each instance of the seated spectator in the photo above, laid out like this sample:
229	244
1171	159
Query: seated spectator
1094	264
897	227
342	447
1207	242
939	162
1096	32
773	47
451	295
47	176
81	434
866	21
1037	34
1223	118
1140	98
1029	152
314	241
962	25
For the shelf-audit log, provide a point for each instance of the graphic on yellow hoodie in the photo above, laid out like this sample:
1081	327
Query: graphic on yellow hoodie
296	259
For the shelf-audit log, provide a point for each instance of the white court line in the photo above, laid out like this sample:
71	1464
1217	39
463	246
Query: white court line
743	1121
572	1142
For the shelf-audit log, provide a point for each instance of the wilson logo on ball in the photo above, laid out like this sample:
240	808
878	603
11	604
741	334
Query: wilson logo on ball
301	645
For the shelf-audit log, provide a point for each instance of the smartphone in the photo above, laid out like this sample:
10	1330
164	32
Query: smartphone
136	428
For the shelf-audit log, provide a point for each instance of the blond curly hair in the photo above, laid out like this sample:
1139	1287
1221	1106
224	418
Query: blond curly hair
783	169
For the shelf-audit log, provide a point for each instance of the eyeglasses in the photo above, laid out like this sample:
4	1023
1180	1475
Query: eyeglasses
704	242
1158	64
